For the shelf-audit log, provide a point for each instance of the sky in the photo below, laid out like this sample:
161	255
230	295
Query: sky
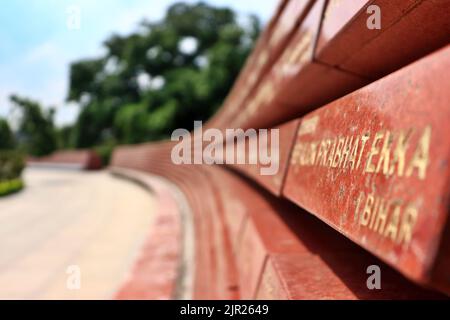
39	39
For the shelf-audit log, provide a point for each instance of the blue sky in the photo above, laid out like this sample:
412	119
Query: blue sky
36	46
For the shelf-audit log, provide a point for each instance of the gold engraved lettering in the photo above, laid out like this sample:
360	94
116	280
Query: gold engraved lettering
373	152
301	154
345	152
331	154
420	157
320	153
358	203
325	154
308	126
392	227
354	153
295	154
364	220
364	139
312	158
387	218
337	154
374	212
388	154
299	54
408	221
400	153
385	154
381	216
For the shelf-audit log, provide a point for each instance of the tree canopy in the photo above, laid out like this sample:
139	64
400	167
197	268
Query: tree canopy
36	133
162	77
159	78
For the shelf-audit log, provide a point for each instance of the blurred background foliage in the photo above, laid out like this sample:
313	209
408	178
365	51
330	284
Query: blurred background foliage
12	163
148	83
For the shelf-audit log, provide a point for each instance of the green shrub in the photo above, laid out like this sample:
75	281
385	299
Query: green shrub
105	151
10	186
12	164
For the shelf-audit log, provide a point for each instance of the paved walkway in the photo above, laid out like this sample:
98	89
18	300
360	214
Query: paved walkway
69	223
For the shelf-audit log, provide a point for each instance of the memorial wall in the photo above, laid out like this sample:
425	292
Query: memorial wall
359	94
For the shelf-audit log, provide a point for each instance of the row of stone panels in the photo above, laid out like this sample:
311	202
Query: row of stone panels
347	163
315	51
374	166
251	244
215	276
266	52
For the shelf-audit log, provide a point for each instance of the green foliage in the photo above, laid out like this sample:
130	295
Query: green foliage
105	151
115	105
161	120
83	73
65	136
10	186
146	84
36	131
130	123
6	136
12	164
94	124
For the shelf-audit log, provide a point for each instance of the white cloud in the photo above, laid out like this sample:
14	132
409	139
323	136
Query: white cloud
47	51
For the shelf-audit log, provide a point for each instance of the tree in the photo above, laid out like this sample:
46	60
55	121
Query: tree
164	77
6	136
36	133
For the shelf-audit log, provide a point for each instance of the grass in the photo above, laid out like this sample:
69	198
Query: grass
10	186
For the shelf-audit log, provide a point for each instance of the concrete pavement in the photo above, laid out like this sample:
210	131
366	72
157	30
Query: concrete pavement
70	228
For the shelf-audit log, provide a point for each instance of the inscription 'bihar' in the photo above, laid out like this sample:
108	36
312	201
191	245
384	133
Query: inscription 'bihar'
384	152
389	218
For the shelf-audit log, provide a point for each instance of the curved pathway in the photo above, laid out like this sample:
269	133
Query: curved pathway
71	235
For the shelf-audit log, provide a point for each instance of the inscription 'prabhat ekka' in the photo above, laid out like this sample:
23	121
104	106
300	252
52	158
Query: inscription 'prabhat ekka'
374	165
389	147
